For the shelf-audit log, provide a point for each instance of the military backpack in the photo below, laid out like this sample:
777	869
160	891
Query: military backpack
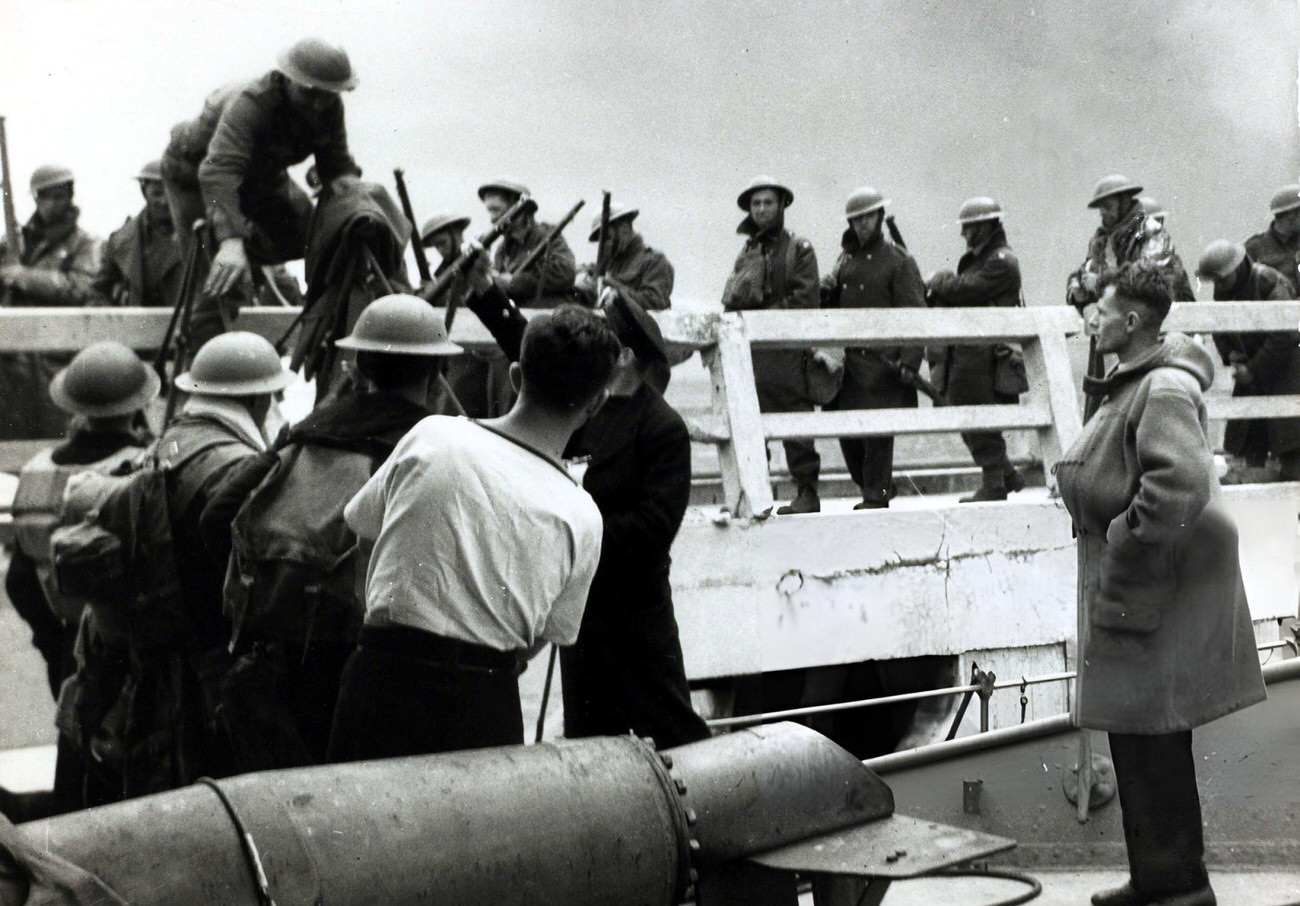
293	573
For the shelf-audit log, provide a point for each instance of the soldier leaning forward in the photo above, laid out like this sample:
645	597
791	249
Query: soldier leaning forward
1263	364
293	581
57	265
776	270
106	386
230	166
988	275
872	272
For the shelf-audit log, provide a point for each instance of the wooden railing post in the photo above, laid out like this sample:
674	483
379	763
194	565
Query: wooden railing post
742	458
1047	365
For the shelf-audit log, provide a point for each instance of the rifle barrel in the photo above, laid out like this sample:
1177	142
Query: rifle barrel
541	247
421	259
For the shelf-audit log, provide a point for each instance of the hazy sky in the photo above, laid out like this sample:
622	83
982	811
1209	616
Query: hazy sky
675	105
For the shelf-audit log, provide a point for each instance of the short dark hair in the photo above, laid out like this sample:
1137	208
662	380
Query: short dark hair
567	357
388	371
1143	282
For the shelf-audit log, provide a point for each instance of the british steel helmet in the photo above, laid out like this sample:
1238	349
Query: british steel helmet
103	380
616	213
764	182
979	209
1286	199
400	324
238	363
864	201
443	220
505	185
1151	207
1220	259
314	63
1112	185
150	172
48	176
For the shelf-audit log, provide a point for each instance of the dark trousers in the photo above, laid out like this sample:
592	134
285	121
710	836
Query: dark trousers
1156	777
778	375
410	692
626	673
870	461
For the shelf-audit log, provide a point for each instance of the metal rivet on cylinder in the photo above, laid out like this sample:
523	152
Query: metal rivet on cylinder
667	760
691	817
693	875
681	787
694	845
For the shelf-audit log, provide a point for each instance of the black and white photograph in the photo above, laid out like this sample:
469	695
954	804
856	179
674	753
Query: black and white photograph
820	453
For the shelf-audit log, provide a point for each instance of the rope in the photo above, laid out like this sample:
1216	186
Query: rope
246	842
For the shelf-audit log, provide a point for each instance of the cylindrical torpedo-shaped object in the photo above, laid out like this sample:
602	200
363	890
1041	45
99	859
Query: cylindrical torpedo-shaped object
577	822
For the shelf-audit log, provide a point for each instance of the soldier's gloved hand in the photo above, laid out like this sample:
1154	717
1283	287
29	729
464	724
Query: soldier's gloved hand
1241	374
229	267
940	280
585	282
906	373
479	277
827	360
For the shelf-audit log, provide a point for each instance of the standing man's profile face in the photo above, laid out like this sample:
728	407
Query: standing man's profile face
764	207
1113	322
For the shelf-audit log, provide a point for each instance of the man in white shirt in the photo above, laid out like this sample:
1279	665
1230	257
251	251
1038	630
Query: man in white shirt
482	550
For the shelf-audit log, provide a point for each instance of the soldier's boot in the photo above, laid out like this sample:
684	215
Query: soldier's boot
1124	895
806	501
1012	478
993	488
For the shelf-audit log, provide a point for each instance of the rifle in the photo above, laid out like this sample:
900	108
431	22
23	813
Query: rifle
602	247
542	247
13	235
178	328
462	264
912	377
421	259
894	232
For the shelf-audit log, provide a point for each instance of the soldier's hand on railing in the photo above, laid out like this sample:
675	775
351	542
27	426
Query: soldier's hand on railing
1241	374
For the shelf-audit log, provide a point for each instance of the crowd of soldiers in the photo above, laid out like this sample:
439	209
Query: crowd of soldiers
469	546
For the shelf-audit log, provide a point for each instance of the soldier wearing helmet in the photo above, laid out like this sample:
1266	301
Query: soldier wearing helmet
777	270
229	166
1127	233
549	280
987	275
1279	245
105	388
231	385
873	272
142	260
400	344
635	271
1263	364
57	263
